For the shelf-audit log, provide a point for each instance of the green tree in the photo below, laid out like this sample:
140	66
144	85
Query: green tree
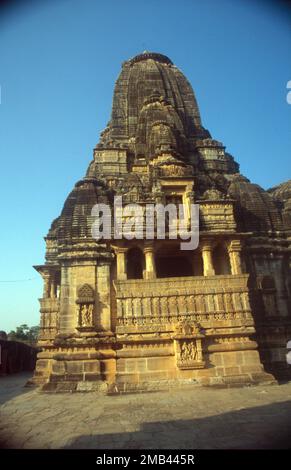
25	334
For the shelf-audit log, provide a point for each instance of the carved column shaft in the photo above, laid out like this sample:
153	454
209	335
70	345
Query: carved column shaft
52	289
46	285
121	263
189	201
208	269
150	271
50	284
235	257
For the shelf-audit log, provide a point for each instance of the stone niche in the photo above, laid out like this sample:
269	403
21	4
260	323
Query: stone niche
85	308
188	346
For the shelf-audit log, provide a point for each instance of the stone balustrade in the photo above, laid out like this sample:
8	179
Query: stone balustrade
169	300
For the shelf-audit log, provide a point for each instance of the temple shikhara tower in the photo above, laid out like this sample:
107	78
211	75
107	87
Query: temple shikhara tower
121	315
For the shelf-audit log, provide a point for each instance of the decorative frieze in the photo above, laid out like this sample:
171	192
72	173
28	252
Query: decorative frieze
137	304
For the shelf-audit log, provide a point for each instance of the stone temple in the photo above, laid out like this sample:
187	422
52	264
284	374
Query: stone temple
120	315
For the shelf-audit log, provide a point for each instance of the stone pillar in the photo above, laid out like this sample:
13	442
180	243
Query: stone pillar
206	249
150	266
68	307
121	262
46	285
52	288
234	251
49	283
189	196
103	296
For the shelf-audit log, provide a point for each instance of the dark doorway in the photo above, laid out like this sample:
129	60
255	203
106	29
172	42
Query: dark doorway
197	263
135	263
174	264
221	260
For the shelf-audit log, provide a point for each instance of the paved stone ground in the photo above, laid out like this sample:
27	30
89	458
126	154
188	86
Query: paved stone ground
199	418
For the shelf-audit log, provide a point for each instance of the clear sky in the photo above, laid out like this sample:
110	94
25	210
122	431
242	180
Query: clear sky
59	60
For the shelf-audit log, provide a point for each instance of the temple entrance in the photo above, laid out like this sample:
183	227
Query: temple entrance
197	263
135	263
172	262
221	262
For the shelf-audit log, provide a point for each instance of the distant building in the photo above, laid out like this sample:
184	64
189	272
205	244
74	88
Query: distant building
143	314
15	356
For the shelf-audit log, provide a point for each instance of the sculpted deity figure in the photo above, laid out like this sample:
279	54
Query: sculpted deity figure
86	311
189	351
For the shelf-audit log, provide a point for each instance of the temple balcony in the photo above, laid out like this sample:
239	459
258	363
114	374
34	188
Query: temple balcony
218	300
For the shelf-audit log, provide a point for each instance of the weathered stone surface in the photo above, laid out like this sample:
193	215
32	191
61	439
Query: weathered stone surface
244	418
139	313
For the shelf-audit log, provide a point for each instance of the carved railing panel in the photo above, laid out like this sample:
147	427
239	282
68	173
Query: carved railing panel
162	301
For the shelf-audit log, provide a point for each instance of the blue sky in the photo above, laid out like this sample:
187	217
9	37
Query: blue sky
58	64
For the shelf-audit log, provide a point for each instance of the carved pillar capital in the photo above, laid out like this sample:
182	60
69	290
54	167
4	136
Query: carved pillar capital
234	245
119	249
206	244
148	247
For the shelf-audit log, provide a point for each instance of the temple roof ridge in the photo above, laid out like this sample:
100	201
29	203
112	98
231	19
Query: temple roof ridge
158	57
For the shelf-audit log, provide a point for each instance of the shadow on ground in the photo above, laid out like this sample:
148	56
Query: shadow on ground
264	427
13	385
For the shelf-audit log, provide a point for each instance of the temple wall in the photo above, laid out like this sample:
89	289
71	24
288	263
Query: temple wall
265	265
272	312
146	367
136	314
73	277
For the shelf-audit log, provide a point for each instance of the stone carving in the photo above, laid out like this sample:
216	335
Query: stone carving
49	322
189	354
153	150
186	328
189	351
86	315
86	293
175	298
173	169
213	194
85	302
188	345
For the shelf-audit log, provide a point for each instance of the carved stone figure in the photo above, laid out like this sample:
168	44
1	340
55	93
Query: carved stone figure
86	311
189	352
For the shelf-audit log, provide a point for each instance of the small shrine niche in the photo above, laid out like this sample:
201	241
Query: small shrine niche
85	302
188	346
